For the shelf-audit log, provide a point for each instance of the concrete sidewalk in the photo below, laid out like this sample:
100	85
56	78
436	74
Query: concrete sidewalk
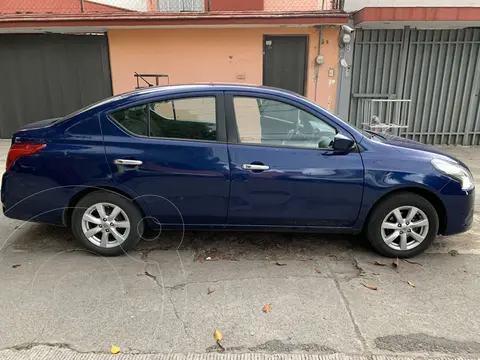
161	301
46	352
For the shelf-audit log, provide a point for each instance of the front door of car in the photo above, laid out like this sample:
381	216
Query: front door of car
172	153
284	170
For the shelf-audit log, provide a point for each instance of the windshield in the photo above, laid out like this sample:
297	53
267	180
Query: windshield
367	133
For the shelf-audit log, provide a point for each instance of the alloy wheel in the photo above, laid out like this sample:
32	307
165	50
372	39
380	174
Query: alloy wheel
105	225
404	228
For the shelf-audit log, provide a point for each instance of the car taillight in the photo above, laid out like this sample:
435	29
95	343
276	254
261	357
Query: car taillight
18	150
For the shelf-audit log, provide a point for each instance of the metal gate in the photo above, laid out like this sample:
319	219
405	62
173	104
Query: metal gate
46	76
437	70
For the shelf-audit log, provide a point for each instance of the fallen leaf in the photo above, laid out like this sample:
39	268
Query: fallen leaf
279	264
333	256
412	262
395	263
376	274
220	346
378	263
217	335
16	266
371	287
317	270
267	308
453	252
209	291
114	349
411	284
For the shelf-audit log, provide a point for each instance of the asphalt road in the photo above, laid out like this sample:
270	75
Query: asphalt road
171	293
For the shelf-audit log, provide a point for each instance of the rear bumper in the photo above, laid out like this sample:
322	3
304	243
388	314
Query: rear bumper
459	208
25	198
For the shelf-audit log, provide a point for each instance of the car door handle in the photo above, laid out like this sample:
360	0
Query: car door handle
255	167
127	162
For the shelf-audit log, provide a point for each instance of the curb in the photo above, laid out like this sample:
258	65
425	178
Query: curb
42	352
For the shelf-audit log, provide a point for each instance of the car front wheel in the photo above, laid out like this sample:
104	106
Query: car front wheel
107	223
402	225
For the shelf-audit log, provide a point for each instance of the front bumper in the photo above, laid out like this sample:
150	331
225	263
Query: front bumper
459	208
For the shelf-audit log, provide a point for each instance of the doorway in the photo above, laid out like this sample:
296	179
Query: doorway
284	62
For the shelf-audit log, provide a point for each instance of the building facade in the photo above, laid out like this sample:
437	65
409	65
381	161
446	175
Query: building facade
288	44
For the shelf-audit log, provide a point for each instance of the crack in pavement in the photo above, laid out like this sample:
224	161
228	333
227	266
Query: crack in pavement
147	264
179	318
360	337
174	287
360	271
32	345
153	277
181	286
317	276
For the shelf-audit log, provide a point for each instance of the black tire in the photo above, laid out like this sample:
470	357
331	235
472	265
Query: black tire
128	206
390	203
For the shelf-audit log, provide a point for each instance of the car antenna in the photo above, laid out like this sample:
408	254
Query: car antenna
141	77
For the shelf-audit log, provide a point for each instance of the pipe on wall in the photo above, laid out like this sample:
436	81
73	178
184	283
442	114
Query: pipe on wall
317	66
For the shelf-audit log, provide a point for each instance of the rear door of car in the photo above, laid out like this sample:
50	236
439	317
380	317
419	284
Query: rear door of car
172	152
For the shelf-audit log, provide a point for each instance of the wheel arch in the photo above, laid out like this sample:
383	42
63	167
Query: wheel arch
426	194
67	214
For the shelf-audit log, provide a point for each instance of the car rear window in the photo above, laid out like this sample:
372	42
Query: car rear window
186	118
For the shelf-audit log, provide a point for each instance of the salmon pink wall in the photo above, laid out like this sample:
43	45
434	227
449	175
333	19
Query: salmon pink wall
215	55
56	6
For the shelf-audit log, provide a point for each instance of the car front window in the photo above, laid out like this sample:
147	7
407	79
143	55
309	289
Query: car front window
270	122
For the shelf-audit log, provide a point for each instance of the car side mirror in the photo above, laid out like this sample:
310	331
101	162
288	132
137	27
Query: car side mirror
343	143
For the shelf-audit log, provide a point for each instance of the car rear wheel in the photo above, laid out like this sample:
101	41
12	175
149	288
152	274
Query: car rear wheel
402	225
107	223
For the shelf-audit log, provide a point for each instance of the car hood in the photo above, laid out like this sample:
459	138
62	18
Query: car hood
406	146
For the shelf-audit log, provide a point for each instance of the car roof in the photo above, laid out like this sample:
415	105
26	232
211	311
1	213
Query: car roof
206	86
152	91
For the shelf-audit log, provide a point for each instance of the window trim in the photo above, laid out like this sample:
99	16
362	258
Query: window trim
232	126
219	118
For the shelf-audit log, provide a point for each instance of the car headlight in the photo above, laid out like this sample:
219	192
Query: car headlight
455	171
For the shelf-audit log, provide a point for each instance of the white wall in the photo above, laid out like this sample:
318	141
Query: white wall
163	5
354	5
138	5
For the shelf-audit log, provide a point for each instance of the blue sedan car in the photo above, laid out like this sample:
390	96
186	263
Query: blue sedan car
230	157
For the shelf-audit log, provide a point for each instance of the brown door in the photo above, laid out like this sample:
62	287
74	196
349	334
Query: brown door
284	62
